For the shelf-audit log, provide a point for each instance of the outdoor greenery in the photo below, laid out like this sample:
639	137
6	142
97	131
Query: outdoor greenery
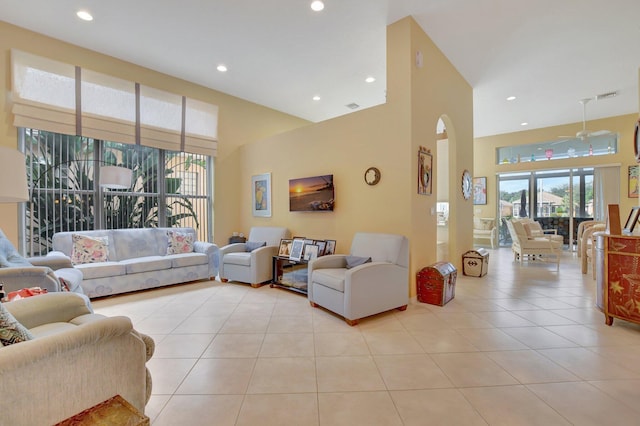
62	168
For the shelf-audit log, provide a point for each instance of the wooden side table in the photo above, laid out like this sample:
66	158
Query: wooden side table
113	411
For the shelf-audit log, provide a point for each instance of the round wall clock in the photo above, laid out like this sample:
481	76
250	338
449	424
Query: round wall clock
467	184
372	176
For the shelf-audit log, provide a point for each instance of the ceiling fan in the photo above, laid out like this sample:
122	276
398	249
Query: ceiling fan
585	134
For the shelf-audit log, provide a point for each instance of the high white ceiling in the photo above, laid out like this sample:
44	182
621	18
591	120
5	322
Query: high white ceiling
279	53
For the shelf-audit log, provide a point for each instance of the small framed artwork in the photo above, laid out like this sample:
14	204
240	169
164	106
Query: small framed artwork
261	194
310	252
425	171
479	190
307	244
322	247
634	188
296	249
330	247
285	247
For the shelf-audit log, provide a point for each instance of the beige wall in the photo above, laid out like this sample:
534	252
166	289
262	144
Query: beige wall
387	137
484	161
240	122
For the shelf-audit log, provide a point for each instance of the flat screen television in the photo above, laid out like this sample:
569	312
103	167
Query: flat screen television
311	194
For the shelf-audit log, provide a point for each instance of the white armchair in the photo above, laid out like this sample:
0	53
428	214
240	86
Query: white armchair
484	228
77	359
542	248
367	289
255	266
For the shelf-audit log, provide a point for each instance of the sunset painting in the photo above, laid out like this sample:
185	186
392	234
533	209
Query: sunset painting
311	194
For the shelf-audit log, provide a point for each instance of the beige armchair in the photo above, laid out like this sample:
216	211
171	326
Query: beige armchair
76	360
582	227
542	248
354	290
255	266
587	247
484	228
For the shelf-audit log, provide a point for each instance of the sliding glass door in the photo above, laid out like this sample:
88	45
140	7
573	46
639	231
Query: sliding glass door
558	199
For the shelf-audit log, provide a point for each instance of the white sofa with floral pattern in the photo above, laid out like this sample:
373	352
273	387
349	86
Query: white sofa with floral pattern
124	260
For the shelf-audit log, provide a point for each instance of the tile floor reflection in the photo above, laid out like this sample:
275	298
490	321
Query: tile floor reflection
522	345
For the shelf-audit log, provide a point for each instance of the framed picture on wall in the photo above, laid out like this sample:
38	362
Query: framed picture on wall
425	171
634	188
261	194
479	190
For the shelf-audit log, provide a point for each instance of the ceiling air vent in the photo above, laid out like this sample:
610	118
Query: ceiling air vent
606	95
353	105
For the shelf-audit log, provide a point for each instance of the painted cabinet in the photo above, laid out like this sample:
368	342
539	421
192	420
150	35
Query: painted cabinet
618	277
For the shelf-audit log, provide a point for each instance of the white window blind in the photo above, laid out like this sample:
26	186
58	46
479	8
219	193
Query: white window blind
108	107
160	119
45	94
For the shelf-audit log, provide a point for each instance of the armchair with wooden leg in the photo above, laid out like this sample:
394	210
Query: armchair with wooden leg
373	278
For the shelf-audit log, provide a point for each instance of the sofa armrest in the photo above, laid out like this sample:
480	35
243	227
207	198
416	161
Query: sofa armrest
231	248
325	262
54	260
47	308
82	360
18	277
391	283
213	253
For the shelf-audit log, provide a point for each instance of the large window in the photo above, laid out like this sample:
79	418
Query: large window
168	188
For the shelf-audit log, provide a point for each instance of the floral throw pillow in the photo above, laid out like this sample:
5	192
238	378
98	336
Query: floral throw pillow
89	249
11	331
179	242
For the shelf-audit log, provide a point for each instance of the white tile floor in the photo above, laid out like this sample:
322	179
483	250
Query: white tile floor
523	345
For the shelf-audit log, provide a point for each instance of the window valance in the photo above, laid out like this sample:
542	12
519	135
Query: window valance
62	98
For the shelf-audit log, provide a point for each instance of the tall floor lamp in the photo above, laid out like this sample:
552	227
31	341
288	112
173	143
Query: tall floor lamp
13	176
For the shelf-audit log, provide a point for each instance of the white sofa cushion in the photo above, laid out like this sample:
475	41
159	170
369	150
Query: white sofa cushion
101	270
330	277
146	264
238	258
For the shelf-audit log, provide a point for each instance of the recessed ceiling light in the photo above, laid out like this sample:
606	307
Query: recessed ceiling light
317	5
511	98
84	15
370	79
524	123
222	68
316	98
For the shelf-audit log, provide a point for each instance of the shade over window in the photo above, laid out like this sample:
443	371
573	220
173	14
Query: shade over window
62	98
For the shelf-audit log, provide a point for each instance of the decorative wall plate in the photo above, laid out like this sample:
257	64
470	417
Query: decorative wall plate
467	184
372	176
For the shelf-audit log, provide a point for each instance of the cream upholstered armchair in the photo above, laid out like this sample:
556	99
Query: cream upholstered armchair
373	278
587	247
484	228
582	227
251	262
71	360
533	229
541	248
